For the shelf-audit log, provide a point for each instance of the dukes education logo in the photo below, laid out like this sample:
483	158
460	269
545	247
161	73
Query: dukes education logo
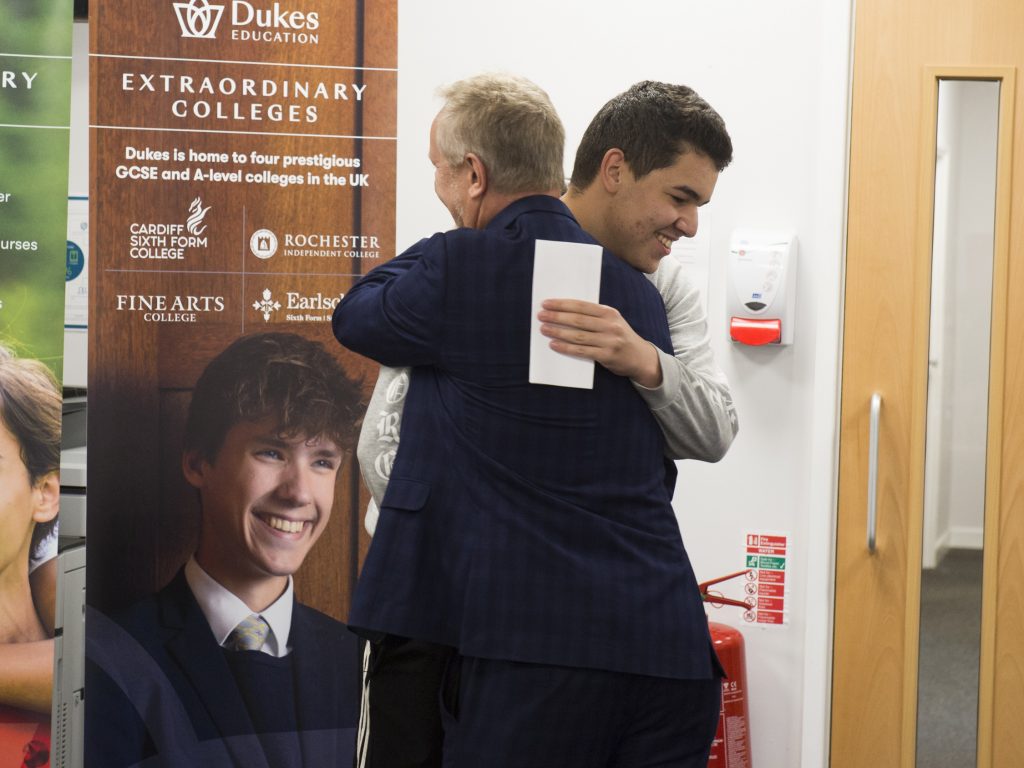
198	18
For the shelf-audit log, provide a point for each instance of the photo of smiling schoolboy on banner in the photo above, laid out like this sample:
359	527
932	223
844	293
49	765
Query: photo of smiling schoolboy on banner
225	665
243	178
35	95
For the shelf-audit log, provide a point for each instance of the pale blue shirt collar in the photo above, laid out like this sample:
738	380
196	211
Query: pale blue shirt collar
224	610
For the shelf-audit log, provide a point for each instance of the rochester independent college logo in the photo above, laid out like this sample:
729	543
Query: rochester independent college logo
197	18
263	243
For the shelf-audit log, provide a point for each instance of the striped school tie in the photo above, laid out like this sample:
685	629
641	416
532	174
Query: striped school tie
249	635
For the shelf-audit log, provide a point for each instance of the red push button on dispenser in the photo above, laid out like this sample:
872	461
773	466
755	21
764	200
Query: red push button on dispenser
755	332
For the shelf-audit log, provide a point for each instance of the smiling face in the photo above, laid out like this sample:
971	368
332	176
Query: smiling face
265	501
648	214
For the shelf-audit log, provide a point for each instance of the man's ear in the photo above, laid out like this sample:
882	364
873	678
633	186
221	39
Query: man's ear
194	466
613	168
46	497
477	176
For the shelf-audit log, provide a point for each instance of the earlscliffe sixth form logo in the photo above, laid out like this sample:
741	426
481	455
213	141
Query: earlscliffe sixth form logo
197	18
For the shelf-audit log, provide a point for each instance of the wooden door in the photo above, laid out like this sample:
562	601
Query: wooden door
901	50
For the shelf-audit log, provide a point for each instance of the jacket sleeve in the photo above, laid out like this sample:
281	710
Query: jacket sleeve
394	314
693	405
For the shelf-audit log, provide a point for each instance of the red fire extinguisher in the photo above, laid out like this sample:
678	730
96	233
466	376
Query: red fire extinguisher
731	747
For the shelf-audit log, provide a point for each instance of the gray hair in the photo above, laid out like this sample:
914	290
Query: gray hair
510	124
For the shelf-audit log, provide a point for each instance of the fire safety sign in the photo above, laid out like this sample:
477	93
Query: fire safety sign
766	558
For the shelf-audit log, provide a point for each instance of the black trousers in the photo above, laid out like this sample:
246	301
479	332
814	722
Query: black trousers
515	715
400	723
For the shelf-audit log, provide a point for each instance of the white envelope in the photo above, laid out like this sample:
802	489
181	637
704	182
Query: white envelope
562	271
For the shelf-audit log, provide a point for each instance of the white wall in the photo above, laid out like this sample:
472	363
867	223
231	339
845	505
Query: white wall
973	239
76	362
782	89
78	160
941	363
962	265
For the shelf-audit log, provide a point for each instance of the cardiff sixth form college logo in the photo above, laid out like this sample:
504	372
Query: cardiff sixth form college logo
263	243
197	18
196	214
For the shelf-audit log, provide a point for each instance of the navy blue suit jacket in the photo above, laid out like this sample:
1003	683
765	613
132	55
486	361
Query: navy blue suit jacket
159	691
521	522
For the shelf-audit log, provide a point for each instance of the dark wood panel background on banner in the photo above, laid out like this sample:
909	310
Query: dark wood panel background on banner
243	177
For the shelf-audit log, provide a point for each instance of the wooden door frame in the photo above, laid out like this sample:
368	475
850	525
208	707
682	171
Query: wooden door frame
994	510
914	408
1006	77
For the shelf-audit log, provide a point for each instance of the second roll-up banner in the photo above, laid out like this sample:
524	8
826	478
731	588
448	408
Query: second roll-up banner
242	178
35	87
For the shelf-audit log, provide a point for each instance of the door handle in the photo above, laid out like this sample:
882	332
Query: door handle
876	410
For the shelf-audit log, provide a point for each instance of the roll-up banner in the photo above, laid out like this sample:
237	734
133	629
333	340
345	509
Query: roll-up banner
242	178
35	92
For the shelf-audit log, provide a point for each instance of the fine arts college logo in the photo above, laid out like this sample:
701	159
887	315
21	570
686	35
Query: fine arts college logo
197	18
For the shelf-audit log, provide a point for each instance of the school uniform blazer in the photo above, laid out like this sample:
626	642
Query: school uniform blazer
521	522
159	691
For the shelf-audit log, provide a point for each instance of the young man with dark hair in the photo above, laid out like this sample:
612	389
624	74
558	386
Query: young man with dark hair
530	528
224	666
647	162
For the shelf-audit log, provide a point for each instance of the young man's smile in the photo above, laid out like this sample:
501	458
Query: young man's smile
266	499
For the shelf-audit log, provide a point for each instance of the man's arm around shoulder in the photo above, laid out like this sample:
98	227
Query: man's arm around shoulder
393	315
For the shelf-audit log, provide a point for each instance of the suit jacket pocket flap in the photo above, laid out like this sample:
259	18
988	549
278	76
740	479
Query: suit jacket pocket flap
406	494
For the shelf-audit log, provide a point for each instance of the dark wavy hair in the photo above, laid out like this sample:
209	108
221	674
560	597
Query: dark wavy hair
652	123
282	375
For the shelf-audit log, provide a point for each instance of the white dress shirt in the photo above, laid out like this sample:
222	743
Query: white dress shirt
224	610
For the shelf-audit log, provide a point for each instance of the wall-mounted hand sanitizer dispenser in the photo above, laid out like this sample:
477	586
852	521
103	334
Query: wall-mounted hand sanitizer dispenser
761	287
